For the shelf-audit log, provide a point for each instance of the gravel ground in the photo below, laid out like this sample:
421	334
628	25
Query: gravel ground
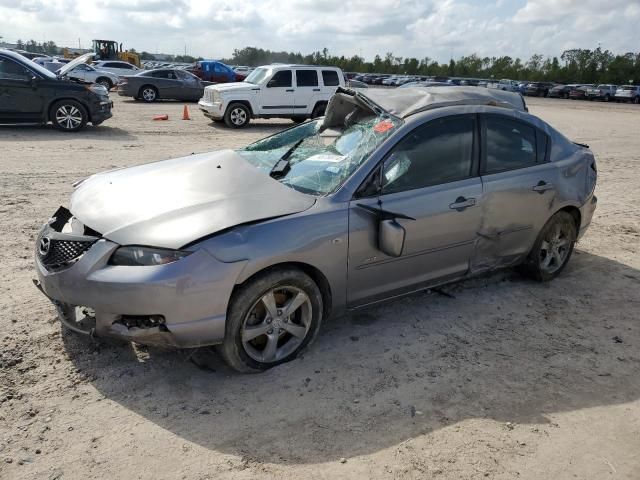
503	379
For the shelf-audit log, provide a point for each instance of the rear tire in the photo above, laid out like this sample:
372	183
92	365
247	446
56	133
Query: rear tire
257	320
552	249
105	82
148	93
237	115
318	110
68	115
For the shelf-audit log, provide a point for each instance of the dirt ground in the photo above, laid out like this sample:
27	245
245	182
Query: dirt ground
505	379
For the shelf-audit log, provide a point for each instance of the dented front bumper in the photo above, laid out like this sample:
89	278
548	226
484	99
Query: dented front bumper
190	296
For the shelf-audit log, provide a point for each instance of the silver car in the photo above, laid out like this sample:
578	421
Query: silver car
390	193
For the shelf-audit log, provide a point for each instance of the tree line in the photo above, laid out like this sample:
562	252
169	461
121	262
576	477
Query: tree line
576	65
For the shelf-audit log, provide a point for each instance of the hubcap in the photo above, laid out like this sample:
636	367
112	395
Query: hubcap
238	116
68	116
149	94
277	324
554	249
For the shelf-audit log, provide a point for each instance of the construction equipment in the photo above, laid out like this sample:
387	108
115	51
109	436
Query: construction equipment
110	50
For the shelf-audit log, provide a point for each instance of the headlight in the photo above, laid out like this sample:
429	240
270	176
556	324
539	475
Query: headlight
145	256
98	89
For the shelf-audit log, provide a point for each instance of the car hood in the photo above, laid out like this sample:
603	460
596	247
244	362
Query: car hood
234	86
175	202
75	62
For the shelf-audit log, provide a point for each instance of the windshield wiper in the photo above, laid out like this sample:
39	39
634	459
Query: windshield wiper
282	167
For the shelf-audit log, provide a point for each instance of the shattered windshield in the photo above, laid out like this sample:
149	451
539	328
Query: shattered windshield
323	158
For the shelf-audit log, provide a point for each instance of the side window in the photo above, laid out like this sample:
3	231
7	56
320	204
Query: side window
330	78
306	78
126	66
112	65
160	74
510	144
10	70
438	152
280	79
217	68
541	146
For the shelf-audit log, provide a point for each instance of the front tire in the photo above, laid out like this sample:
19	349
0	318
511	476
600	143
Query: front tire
271	319
105	82
68	115
553	248
237	115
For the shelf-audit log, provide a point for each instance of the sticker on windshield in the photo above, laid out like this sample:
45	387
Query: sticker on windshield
383	126
326	157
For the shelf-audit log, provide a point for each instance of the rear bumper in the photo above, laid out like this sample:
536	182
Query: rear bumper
586	215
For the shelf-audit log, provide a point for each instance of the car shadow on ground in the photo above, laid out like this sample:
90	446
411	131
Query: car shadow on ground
37	133
497	347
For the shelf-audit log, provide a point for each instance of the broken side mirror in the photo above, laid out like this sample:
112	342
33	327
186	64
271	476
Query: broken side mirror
391	237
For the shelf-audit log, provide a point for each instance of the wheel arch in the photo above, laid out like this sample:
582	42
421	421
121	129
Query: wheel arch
104	77
575	213
319	103
315	273
246	103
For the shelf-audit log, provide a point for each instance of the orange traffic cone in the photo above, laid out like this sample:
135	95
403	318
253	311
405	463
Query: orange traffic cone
185	113
161	117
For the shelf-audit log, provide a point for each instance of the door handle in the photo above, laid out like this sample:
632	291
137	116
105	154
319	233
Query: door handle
542	187
316	89
289	90
461	203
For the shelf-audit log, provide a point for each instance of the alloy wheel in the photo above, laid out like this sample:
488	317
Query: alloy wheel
68	117
238	116
149	94
554	249
277	324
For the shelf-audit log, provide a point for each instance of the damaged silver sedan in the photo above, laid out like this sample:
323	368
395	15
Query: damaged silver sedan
391	192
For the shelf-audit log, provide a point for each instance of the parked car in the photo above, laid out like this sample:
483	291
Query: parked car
505	85
579	92
355	84
273	91
628	93
90	74
216	72
425	84
33	94
165	84
116	67
603	91
242	70
252	249
562	91
538	89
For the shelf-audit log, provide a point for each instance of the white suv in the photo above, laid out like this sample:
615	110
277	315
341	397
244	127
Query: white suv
285	91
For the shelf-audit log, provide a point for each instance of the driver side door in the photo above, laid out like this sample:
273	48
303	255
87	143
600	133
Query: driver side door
20	98
430	186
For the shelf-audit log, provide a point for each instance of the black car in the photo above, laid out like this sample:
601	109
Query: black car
561	91
30	93
164	83
538	89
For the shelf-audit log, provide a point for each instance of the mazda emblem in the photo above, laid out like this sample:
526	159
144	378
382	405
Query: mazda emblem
43	247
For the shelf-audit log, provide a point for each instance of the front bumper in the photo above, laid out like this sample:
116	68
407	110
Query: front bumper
191	295
213	110
101	111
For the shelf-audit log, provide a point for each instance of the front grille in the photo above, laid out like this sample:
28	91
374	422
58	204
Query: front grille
61	253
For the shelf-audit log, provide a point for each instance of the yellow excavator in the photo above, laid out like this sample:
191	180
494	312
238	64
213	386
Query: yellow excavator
108	50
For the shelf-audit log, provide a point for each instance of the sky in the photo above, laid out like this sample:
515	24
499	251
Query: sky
438	29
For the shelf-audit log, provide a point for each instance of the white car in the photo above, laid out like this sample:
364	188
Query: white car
628	93
90	74
272	91
505	85
116	67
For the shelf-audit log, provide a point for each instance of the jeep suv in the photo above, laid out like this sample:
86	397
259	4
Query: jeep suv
272	91
30	93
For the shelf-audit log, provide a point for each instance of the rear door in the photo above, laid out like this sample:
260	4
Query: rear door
519	188
306	91
167	83
278	96
430	176
20	98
